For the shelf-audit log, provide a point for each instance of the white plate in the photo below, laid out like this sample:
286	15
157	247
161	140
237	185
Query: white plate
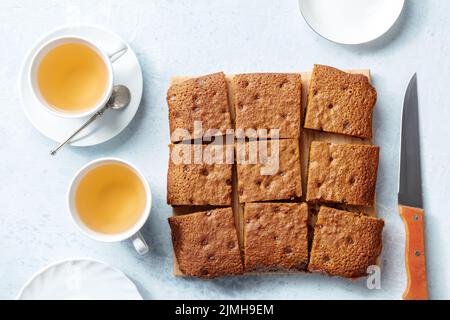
82	279
351	21
127	71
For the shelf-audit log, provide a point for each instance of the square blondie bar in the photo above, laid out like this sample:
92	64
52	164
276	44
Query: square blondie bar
268	101
280	181
340	102
202	99
203	181
206	243
342	173
345	244
275	236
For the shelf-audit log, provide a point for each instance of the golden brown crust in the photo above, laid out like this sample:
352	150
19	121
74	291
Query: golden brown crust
342	173
275	236
206	183
345	244
202	99
284	180
206	243
268	101
340	102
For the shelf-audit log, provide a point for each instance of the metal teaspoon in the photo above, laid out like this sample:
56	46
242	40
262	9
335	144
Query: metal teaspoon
120	99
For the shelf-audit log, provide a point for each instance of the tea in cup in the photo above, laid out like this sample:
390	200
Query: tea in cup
110	200
72	77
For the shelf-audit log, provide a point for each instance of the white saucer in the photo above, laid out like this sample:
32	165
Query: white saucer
127	71
82	279
351	21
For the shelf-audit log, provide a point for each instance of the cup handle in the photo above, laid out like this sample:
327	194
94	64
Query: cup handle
139	243
118	51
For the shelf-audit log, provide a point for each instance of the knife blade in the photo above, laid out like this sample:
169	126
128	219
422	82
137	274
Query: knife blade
410	197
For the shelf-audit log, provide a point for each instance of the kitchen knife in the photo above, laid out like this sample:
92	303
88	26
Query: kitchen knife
410	197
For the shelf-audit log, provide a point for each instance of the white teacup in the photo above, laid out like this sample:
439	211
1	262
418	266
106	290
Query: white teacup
108	56
133	232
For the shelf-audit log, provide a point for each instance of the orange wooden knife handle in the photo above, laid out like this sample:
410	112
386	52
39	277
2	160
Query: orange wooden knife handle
416	268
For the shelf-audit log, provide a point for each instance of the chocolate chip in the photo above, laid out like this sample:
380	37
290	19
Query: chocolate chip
287	250
204	272
283	83
205	172
319	184
349	240
330	106
204	242
245	84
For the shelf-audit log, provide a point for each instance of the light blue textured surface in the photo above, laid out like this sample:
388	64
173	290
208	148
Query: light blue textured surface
198	37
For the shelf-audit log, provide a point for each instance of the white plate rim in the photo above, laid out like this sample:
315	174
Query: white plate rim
76	143
351	43
78	259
